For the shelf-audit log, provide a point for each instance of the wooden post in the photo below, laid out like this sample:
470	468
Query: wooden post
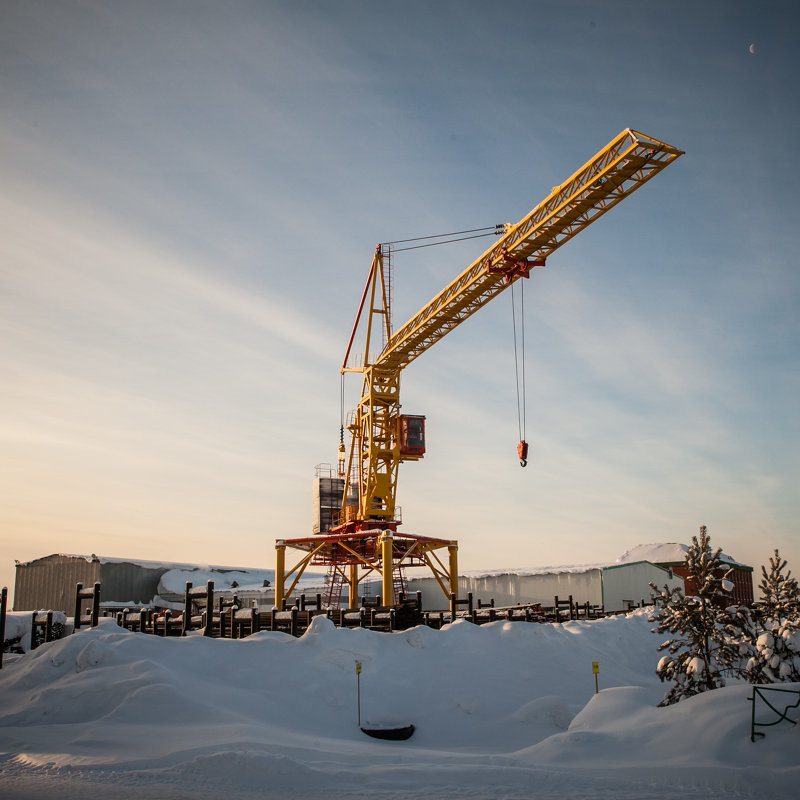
209	628
187	609
3	606
78	598
453	606
96	605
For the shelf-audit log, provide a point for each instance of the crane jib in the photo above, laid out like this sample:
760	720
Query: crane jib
625	164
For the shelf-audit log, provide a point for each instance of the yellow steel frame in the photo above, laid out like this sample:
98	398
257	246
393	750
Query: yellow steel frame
621	167
380	551
626	163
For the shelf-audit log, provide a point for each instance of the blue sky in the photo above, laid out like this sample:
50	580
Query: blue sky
192	192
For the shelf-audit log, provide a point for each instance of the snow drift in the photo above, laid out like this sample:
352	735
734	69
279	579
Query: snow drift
507	710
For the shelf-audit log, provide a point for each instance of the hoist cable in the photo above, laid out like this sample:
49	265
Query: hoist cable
516	361
524	382
495	228
341	407
434	244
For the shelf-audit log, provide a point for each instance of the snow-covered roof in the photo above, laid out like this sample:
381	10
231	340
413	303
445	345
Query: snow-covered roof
527	571
139	562
174	581
176	574
664	553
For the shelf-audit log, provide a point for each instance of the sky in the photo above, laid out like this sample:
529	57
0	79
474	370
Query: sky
192	192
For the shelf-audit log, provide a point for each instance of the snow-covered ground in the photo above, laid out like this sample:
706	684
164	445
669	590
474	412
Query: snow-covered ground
507	710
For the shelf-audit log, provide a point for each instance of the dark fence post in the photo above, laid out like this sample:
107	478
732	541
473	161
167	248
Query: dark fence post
187	609
209	628
96	605
78	598
3	604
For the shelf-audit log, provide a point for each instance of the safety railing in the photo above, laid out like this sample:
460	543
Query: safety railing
759	692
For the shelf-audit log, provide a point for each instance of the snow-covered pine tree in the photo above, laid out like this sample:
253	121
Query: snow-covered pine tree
699	649
779	591
773	636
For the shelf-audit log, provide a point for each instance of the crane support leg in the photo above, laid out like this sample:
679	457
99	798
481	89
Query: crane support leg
387	546
352	599
453	550
280	572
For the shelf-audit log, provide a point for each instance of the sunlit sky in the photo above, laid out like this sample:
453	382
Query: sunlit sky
191	194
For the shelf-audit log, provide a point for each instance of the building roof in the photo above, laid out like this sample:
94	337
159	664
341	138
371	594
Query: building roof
672	553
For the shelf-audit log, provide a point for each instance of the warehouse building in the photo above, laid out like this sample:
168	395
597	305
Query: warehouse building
49	582
615	587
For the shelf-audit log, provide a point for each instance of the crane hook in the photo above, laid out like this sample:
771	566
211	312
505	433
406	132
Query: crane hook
522	452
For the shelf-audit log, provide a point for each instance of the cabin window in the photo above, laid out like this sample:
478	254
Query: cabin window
412	435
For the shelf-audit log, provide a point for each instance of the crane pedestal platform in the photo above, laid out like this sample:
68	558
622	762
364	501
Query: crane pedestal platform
353	555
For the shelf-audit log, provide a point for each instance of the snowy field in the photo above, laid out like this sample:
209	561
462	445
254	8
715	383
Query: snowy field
507	710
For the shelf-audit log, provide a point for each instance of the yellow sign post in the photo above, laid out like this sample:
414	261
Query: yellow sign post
358	683
596	671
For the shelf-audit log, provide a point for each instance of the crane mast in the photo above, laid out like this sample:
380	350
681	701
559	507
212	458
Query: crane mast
382	437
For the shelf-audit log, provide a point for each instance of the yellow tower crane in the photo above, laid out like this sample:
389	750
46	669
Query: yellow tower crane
381	438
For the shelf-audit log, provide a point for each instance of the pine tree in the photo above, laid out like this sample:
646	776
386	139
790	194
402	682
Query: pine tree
772	639
780	592
700	649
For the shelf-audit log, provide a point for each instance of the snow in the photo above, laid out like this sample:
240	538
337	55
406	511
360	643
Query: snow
572	569
174	581
505	710
656	553
664	553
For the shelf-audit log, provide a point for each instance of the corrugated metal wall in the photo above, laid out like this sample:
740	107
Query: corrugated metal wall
129	583
510	589
49	583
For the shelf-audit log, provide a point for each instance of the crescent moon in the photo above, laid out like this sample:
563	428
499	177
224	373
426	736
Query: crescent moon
752	48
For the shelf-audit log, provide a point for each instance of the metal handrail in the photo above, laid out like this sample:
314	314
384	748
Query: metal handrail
758	691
